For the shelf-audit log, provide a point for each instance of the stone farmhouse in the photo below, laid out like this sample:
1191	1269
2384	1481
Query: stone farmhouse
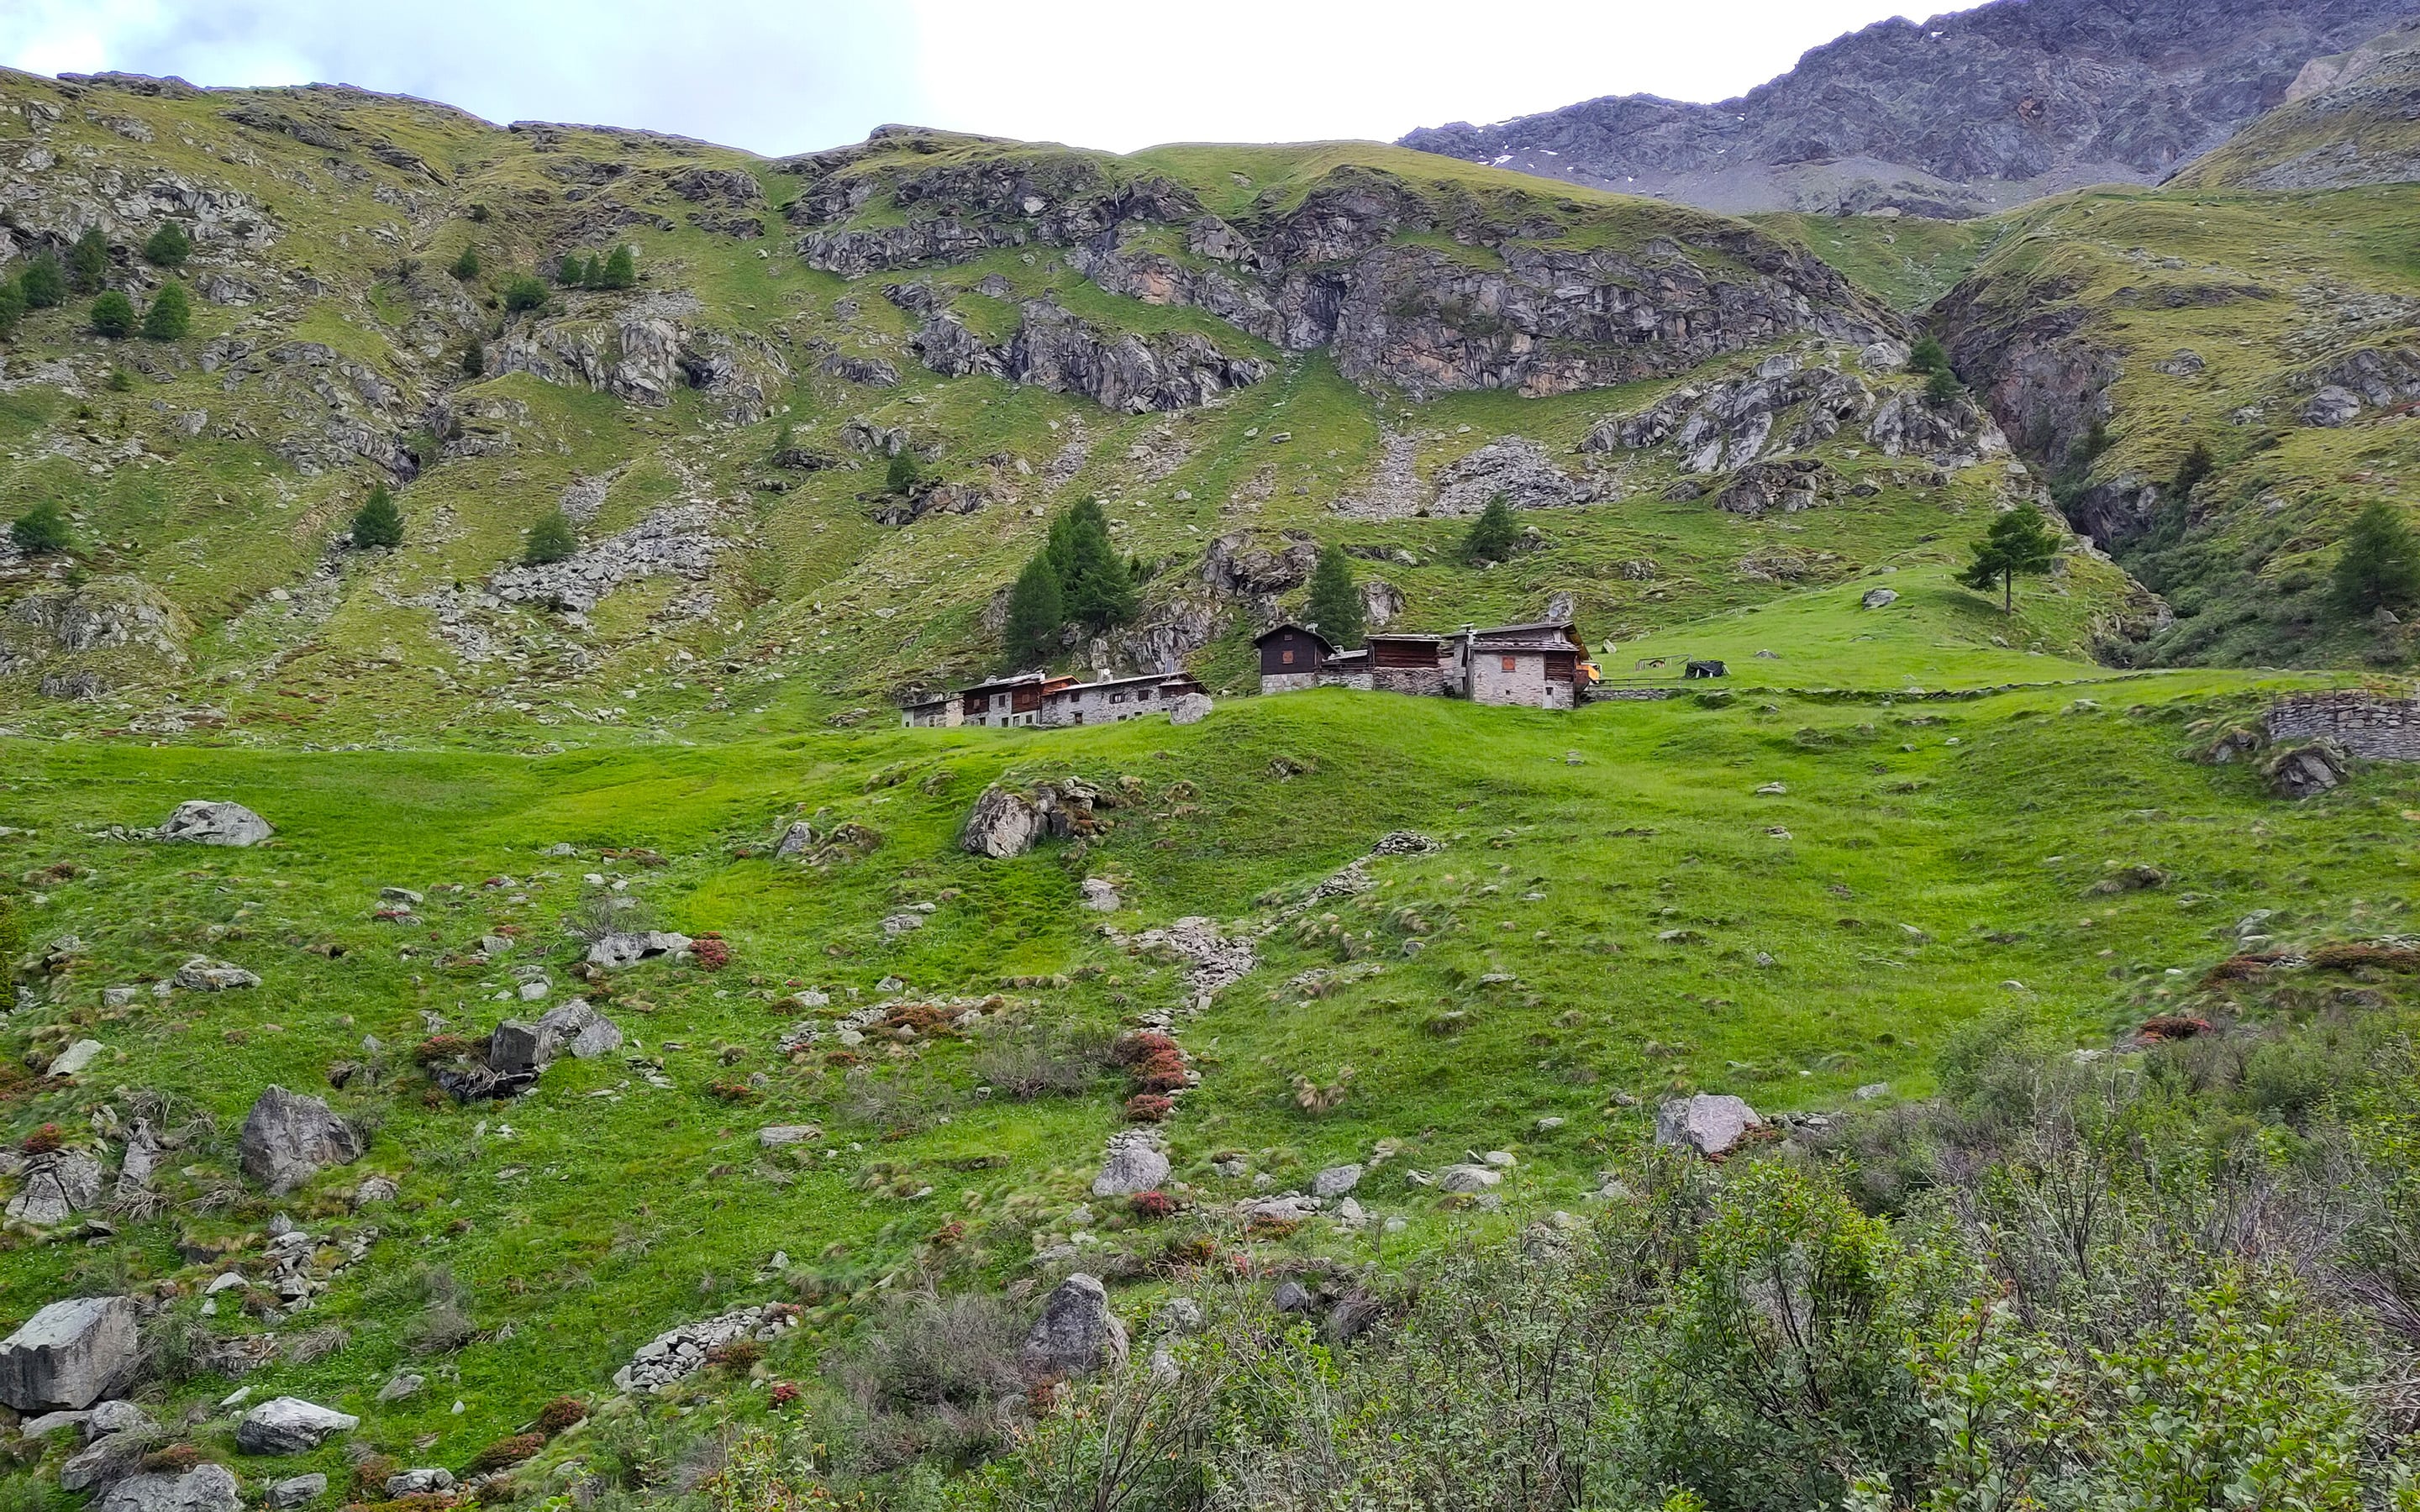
1540	666
1042	701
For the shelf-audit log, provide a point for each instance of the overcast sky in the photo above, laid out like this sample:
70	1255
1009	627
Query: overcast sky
781	76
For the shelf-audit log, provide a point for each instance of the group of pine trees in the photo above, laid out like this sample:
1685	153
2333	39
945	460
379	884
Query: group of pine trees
1078	578
617	269
378	525
48	282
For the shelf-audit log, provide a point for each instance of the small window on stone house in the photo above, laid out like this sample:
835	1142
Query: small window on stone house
1510	662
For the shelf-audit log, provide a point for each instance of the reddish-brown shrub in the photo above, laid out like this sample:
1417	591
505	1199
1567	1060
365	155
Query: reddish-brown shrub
43	1140
784	1393
2174	1027
441	1047
739	1354
711	952
1149	1107
2345	957
1136	1048
505	1451
732	1091
560	1414
1150	1205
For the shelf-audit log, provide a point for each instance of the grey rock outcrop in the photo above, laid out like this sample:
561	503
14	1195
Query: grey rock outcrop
1710	1124
295	1491
1134	1164
1076	1334
202	974
678	1353
56	1187
202	1488
518	1048
615	951
107	1459
203	822
70	1354
1464	1180
2306	770
427	1480
677	541
1336	1181
288	1138
1132	372
289	1425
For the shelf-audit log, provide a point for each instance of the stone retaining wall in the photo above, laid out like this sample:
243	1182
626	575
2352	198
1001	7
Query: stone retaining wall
2376	729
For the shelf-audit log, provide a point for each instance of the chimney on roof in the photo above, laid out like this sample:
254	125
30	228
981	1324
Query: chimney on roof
1103	674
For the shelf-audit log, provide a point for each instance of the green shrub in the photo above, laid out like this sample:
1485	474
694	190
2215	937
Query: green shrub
41	529
171	314
168	247
45	282
12	305
113	314
89	261
466	266
524	293
378	522
904	472
1943	388
552	539
474	359
1095	586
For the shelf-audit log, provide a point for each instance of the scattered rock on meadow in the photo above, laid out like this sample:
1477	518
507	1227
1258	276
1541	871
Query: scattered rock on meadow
1289	1297
56	1187
400	1387
1133	1164
423	1481
778	1134
1076	1334
70	1354
202	1488
1335	1181
76	1056
118	1416
2304	771
288	1138
202	822
106	1460
1099	896
679	1352
289	1425
615	951
1468	1178
1708	1123
298	1491
1189	708
1880	597
202	974
1004	822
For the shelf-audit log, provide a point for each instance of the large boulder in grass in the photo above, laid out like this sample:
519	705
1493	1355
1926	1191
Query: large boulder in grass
202	1488
201	822
288	1138
1133	1164
1004	822
70	1354
1709	1124
627	949
290	1426
1076	1334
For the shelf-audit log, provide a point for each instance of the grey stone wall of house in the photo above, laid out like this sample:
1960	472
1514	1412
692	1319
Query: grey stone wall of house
1420	682
1526	686
2376	729
1287	682
1357	682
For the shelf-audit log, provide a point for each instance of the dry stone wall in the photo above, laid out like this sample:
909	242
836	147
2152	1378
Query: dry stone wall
2376	729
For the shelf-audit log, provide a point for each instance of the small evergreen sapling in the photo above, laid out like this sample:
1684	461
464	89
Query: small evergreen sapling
2378	565
378	523
1927	356
171	313
89	261
45	282
113	313
2018	542
1335	605
168	247
1493	536
904	474
466	266
552	539
41	529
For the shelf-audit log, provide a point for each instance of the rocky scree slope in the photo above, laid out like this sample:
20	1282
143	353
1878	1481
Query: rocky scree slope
1967	114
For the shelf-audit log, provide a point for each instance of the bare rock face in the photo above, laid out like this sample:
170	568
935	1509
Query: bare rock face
69	1355
206	823
290	1425
1004	822
1963	115
1131	372
2307	770
1710	1125
1076	1334
288	1138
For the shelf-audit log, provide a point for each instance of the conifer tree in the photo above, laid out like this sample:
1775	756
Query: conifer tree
2018	542
12	305
1927	356
1035	615
168	247
45	282
1334	606
1095	586
2378	565
1493	536
572	272
552	539
171	313
378	522
466	266
620	271
904	472
113	313
89	261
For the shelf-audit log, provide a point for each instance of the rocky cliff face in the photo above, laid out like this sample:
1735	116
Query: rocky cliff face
1408	289
1964	114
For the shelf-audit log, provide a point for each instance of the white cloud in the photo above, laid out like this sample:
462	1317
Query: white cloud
786	75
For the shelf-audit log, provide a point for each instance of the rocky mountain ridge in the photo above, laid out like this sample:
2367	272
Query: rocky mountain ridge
1970	113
